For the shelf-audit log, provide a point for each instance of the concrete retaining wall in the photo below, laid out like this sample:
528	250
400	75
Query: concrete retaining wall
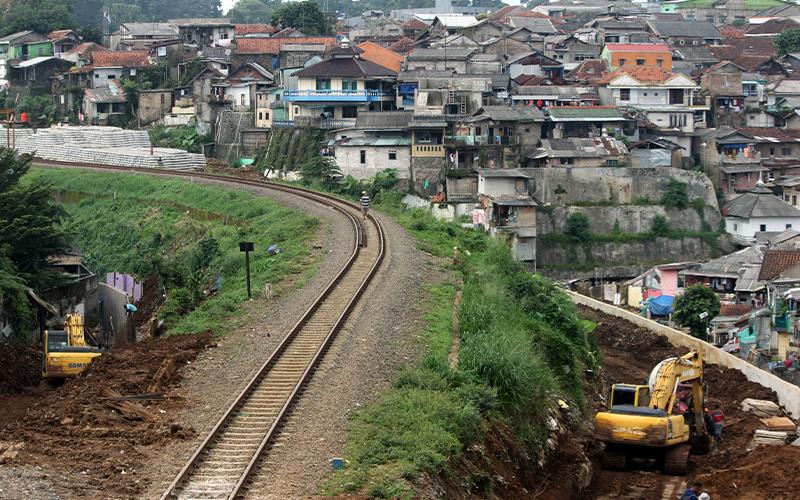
788	394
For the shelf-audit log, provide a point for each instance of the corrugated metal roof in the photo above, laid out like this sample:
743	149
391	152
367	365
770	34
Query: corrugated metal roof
585	113
759	202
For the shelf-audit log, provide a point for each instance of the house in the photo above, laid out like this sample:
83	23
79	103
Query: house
587	121
16	47
512	44
772	27
570	49
664	279
790	190
668	100
381	56
732	162
508	209
657	152
758	211
244	83
204	32
616	30
726	274
681	33
444	59
723	82
696	57
546	96
575	152
505	133
382	30
108	65
637	54
534	63
153	105
142	35
257	29
337	89
751	54
588	72
541	25
63	41
102	104
37	71
379	141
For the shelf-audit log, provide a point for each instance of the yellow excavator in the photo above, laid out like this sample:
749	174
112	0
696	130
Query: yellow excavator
645	421
66	353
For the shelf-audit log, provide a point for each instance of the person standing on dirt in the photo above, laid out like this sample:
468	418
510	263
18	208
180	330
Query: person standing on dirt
718	418
364	204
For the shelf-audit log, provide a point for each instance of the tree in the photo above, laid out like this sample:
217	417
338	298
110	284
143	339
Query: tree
696	308
31	230
659	226
787	41
253	11
320	169
304	16
42	112
42	16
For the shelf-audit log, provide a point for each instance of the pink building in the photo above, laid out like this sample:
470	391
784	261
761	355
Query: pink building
661	280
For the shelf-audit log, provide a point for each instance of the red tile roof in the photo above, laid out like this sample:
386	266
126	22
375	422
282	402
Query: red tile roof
778	134
644	74
590	70
637	47
402	46
776	262
502	14
124	59
249	29
731	32
54	36
414	24
381	56
87	47
274	45
530	13
734	309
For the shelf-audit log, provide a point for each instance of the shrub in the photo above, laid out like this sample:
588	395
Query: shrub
676	195
659	226
578	227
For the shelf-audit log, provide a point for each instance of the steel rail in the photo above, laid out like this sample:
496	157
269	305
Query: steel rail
359	241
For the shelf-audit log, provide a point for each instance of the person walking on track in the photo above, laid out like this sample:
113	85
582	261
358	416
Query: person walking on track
364	204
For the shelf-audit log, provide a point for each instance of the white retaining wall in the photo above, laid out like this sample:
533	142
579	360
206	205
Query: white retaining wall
788	394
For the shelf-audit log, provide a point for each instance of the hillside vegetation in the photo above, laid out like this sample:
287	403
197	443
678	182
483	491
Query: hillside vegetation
184	233
522	347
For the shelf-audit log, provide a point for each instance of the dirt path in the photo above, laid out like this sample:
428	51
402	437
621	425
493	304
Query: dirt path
735	469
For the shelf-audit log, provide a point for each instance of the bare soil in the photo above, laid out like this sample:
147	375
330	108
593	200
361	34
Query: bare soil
82	442
735	469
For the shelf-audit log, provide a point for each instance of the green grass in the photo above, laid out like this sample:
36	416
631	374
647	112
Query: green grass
522	346
185	232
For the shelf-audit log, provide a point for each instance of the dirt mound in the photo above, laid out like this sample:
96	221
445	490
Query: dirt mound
99	442
20	369
733	469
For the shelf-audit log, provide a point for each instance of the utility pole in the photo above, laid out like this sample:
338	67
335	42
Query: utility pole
247	247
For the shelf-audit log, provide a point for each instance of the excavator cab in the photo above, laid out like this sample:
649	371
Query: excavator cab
643	421
66	353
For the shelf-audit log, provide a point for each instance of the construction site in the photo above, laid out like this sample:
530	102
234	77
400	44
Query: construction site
259	412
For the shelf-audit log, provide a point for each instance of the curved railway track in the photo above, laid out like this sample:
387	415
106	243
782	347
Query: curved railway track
230	455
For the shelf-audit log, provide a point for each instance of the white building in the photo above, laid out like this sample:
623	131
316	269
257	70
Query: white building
758	211
668	100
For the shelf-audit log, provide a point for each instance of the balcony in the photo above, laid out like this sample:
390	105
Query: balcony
334	95
335	123
740	159
427	151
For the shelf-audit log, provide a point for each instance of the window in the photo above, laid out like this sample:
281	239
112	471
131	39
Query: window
682	42
96	75
622	62
162	99
794	199
736	227
40	50
788	226
640	62
612	163
260	116
242	99
644	94
349	85
349	112
567	161
694	42
659	62
323	83
363	156
266	115
710	18
786	151
133	71
224	36
762	228
392	155
296	110
624	94
772	151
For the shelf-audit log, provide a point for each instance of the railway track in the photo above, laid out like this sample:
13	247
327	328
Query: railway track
231	454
